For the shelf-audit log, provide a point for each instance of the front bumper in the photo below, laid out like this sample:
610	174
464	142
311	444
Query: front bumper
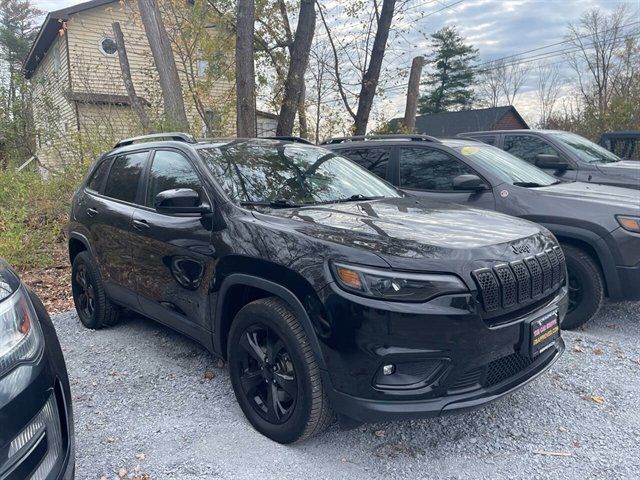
629	282
466	361
36	420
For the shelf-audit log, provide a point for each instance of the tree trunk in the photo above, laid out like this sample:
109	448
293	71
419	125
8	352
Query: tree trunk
299	59
136	103
372	75
302	111
165	64
245	70
413	91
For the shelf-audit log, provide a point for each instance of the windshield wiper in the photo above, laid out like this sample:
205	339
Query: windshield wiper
356	198
279	203
528	184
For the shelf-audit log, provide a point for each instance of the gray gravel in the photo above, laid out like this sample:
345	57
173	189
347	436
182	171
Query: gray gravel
143	404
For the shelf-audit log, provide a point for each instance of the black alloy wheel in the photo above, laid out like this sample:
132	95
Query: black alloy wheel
585	285
83	292
275	374
576	293
94	309
267	374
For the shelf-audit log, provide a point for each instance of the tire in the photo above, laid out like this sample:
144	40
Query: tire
94	309
586	287
291	377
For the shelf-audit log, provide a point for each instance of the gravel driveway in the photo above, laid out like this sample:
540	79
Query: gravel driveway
149	403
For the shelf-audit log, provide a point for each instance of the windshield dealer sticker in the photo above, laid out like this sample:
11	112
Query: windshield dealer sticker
504	193
469	150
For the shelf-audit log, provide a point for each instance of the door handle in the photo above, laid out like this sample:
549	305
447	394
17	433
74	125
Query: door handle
92	212
140	225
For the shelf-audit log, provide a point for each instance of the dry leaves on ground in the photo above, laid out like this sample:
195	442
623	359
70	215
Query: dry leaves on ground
52	284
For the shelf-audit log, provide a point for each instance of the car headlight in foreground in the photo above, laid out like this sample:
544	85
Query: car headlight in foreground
392	285
20	334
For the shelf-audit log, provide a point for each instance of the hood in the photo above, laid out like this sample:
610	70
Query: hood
624	200
9	281
626	172
409	228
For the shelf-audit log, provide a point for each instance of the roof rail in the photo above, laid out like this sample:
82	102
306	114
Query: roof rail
175	136
285	138
362	138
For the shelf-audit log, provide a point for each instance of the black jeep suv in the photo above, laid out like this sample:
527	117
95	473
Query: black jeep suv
597	225
324	287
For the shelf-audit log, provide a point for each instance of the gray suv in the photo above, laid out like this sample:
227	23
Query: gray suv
564	155
598	226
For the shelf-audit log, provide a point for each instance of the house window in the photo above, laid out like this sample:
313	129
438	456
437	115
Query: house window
108	46
203	65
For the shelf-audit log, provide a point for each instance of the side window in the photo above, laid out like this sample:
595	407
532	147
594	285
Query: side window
373	159
124	176
170	170
99	174
528	147
489	139
426	169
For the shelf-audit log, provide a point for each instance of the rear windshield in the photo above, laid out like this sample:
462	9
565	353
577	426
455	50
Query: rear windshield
301	174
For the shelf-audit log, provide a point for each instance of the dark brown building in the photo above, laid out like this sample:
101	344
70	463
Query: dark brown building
449	124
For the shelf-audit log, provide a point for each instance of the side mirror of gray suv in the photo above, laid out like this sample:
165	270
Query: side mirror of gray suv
469	182
551	162
180	200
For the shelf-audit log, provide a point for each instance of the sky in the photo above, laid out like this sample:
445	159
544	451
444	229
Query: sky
496	28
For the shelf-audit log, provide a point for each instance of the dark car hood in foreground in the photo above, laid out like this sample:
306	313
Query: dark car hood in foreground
406	228
623	173
622	200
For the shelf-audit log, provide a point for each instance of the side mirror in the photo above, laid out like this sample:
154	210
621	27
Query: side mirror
551	162
180	200
469	182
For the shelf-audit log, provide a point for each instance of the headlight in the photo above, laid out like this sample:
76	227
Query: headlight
390	285
20	335
629	223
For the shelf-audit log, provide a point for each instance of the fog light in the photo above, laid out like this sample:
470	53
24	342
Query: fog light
388	369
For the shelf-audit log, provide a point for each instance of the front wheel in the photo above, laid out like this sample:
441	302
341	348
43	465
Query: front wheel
274	373
586	287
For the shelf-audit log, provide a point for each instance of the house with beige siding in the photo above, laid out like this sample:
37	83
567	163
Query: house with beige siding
78	91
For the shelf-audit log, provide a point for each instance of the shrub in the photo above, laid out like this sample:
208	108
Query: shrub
33	214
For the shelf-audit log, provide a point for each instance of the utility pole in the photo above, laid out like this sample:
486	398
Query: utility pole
413	91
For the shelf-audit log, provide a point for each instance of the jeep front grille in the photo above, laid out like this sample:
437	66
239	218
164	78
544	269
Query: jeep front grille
519	282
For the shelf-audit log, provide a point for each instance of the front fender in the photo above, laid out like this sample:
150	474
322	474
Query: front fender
275	289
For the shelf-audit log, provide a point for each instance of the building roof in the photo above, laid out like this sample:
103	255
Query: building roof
447	124
49	31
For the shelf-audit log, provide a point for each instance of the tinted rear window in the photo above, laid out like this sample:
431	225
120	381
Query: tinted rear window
124	176
99	174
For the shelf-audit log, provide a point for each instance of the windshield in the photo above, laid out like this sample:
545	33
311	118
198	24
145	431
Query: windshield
585	149
508	168
290	174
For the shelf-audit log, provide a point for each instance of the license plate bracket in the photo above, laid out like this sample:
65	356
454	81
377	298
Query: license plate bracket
541	333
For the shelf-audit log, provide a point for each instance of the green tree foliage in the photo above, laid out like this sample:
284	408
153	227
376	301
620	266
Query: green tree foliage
18	28
449	83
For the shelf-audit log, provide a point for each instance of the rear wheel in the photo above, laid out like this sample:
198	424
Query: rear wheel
274	373
586	287
94	309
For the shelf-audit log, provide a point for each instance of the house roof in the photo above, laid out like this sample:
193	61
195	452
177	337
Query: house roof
262	113
447	124
49	31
